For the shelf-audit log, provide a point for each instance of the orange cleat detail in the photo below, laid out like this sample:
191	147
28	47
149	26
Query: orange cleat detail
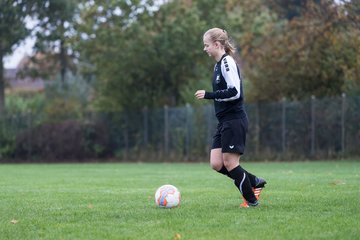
244	205
257	192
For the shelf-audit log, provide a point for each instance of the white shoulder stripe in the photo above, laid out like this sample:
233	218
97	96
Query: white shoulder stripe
231	76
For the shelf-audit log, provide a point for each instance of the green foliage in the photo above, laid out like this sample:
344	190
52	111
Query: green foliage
7	140
69	99
53	31
12	31
172	66
19	107
59	101
75	86
289	9
152	75
146	53
60	109
12	23
302	200
187	91
315	53
161	73
23	102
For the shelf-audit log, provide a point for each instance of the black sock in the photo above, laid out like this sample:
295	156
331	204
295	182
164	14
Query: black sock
224	171
252	178
242	182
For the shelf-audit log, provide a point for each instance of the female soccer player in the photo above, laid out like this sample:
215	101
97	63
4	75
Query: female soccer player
229	139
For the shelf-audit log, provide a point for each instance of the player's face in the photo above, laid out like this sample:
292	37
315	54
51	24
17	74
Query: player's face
209	46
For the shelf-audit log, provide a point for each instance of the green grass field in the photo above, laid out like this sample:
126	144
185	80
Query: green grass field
303	200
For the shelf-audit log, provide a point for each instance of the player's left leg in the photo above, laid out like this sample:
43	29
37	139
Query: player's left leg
242	182
232	139
257	187
256	182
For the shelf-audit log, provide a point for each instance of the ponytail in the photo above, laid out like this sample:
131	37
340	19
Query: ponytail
221	35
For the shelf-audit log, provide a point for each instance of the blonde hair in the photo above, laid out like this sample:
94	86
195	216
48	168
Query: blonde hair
220	35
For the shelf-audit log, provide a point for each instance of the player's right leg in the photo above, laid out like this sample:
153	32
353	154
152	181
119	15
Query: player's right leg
216	161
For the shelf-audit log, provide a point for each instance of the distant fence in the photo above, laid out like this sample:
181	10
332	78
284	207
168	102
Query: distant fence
313	129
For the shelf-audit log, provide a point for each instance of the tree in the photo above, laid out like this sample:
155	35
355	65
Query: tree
147	54
313	54
141	56
12	31
103	43
54	29
289	9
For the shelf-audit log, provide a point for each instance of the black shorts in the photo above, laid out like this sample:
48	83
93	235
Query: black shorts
230	136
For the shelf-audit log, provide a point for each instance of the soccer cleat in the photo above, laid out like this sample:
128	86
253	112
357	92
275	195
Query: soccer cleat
260	183
244	205
254	204
257	192
247	204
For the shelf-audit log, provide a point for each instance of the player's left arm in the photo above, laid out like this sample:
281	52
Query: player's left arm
231	75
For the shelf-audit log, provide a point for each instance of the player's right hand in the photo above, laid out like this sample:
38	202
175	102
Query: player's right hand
200	94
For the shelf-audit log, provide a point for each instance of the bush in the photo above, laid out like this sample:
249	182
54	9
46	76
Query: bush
64	141
7	146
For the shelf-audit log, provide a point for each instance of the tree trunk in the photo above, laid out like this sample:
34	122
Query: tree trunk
2	85
63	63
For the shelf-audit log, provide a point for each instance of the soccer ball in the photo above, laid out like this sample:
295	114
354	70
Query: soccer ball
167	196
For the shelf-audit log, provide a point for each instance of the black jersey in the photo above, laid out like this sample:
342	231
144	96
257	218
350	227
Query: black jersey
227	90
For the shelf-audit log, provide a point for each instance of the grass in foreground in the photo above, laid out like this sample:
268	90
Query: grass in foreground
302	200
